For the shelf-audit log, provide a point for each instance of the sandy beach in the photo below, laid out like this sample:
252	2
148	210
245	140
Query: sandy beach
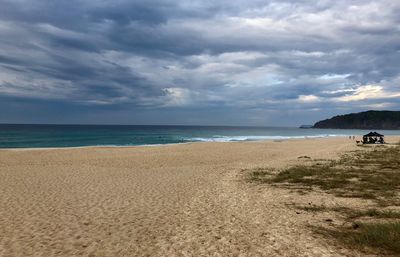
173	200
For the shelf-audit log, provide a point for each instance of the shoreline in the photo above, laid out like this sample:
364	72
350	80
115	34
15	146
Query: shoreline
180	143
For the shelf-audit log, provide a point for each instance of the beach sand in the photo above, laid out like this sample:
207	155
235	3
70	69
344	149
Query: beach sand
173	200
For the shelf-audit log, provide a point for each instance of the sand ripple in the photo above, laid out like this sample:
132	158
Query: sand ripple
184	200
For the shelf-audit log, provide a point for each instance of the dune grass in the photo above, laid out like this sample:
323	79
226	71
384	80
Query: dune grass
314	208
383	237
380	233
366	174
374	213
362	174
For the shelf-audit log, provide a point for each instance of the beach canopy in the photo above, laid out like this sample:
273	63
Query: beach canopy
373	138
373	134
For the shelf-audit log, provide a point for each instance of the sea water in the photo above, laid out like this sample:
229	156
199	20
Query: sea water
36	136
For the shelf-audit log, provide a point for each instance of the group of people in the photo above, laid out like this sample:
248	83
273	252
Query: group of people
373	140
369	139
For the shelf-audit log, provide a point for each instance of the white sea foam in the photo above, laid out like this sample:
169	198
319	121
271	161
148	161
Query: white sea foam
216	138
254	138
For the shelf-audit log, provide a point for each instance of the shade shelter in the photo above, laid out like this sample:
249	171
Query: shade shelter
373	138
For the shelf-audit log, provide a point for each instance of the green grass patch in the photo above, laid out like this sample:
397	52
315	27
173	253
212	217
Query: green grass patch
353	214
374	213
373	174
386	236
261	175
314	208
369	236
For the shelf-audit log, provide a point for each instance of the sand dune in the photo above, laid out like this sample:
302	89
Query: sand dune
176	200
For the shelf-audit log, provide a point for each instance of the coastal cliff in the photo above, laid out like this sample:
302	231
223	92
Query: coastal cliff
363	120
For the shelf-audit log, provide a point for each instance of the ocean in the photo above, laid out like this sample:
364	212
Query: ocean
37	136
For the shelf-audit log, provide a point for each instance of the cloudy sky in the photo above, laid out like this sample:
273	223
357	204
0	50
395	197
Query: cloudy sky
222	62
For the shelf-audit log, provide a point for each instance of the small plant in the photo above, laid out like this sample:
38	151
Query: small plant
304	157
260	175
314	208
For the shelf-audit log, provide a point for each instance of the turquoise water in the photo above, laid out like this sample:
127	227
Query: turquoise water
32	136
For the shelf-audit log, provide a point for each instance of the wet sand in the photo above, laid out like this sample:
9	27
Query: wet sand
174	200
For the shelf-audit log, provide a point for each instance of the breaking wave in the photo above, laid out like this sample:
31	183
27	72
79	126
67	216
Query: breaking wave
252	138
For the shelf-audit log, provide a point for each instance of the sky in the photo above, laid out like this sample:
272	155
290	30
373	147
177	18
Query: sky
221	62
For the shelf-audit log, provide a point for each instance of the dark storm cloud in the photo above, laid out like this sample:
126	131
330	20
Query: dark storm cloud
162	57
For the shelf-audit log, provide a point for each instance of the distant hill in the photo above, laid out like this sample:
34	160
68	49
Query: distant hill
363	120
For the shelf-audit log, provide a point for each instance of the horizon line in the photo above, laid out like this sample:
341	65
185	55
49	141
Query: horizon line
159	125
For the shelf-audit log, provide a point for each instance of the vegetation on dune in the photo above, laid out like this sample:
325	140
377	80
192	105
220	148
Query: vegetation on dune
384	235
378	237
371	174
363	120
366	174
